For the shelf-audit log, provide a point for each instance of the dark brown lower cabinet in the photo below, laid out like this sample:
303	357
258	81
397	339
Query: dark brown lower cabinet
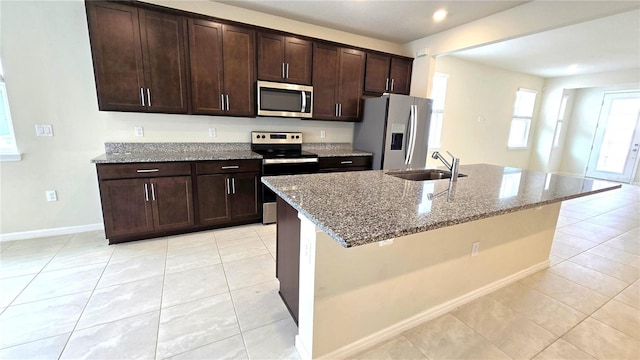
143	206
227	198
288	256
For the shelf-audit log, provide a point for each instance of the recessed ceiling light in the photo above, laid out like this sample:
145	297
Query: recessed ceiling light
573	67
440	15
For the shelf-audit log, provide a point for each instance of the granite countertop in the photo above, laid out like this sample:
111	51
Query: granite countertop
162	152
357	208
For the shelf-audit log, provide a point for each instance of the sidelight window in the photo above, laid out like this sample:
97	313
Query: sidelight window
558	132
521	120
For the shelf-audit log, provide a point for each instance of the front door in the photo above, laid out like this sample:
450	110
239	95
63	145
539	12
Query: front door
614	153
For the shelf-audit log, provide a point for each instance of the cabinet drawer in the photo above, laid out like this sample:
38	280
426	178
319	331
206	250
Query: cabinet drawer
142	170
344	161
228	166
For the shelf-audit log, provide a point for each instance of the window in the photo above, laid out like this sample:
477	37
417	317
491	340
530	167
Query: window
438	93
563	108
8	149
521	121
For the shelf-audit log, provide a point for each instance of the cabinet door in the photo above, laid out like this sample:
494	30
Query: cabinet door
238	48
350	83
376	78
325	81
126	207
298	53
164	61
213	199
205	60
172	202
271	56
401	75
245	203
117	55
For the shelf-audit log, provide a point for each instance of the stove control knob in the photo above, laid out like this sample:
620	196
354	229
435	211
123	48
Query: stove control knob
257	136
297	136
263	136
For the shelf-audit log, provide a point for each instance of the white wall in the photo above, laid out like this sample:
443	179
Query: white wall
478	111
49	74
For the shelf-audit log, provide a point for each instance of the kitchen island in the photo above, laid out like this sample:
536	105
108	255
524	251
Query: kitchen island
379	255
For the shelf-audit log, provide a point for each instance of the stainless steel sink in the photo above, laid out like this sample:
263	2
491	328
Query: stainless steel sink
423	174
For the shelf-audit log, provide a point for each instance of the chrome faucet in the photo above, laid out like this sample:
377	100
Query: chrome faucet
453	167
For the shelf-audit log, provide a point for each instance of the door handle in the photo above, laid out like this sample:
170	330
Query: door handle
230	167
339	109
147	170
146	193
227	96
222	101
283	71
149	97
287	71
335	111
391	84
142	96
346	162
233	185
228	187
153	192
386	85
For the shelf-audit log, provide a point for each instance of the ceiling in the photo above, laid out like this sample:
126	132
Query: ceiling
398	21
606	44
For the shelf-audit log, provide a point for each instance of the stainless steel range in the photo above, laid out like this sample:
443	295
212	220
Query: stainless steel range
282	155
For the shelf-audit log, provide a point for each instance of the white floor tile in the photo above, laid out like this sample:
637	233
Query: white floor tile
189	285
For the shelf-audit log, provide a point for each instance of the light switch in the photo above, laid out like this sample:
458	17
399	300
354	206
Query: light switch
212	132
139	131
44	130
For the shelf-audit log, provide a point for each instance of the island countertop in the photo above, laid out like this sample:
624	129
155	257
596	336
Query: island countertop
357	208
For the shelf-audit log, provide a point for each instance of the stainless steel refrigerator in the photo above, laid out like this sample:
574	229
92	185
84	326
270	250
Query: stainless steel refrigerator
395	128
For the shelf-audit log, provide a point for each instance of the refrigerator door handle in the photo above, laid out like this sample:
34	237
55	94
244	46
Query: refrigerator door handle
415	131
410	135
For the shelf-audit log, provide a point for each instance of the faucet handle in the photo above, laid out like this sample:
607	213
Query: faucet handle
452	156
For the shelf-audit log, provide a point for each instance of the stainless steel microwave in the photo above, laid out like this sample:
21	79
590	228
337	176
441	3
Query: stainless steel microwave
284	100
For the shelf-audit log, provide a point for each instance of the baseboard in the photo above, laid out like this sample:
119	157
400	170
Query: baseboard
429	314
24	235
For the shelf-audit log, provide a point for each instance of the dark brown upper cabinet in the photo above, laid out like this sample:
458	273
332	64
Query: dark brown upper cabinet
138	58
387	74
338	76
222	63
284	58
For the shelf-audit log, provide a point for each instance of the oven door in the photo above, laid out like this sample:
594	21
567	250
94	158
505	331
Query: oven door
276	167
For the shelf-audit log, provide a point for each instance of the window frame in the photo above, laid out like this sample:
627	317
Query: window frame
437	113
526	119
560	121
8	145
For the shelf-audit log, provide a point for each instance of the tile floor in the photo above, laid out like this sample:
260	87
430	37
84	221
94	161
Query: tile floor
213	295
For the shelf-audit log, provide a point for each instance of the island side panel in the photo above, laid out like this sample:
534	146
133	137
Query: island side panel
288	255
366	294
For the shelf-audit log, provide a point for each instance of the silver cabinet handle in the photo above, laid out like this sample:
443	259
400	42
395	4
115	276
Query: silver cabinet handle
339	109
233	185
147	170
230	167
336	110
228	187
149	97
391	84
283	70
386	85
286	77
153	192
142	96
346	162
222	101
227	96
146	192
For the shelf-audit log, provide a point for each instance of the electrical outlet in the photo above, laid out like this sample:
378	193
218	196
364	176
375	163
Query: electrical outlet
139	131
475	247
212	132
44	130
51	195
323	134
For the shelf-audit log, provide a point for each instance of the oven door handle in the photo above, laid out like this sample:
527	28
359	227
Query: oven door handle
290	161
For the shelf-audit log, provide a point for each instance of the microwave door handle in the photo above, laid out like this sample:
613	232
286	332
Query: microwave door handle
304	101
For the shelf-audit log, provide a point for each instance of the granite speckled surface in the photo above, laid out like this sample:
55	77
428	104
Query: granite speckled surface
160	152
357	208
